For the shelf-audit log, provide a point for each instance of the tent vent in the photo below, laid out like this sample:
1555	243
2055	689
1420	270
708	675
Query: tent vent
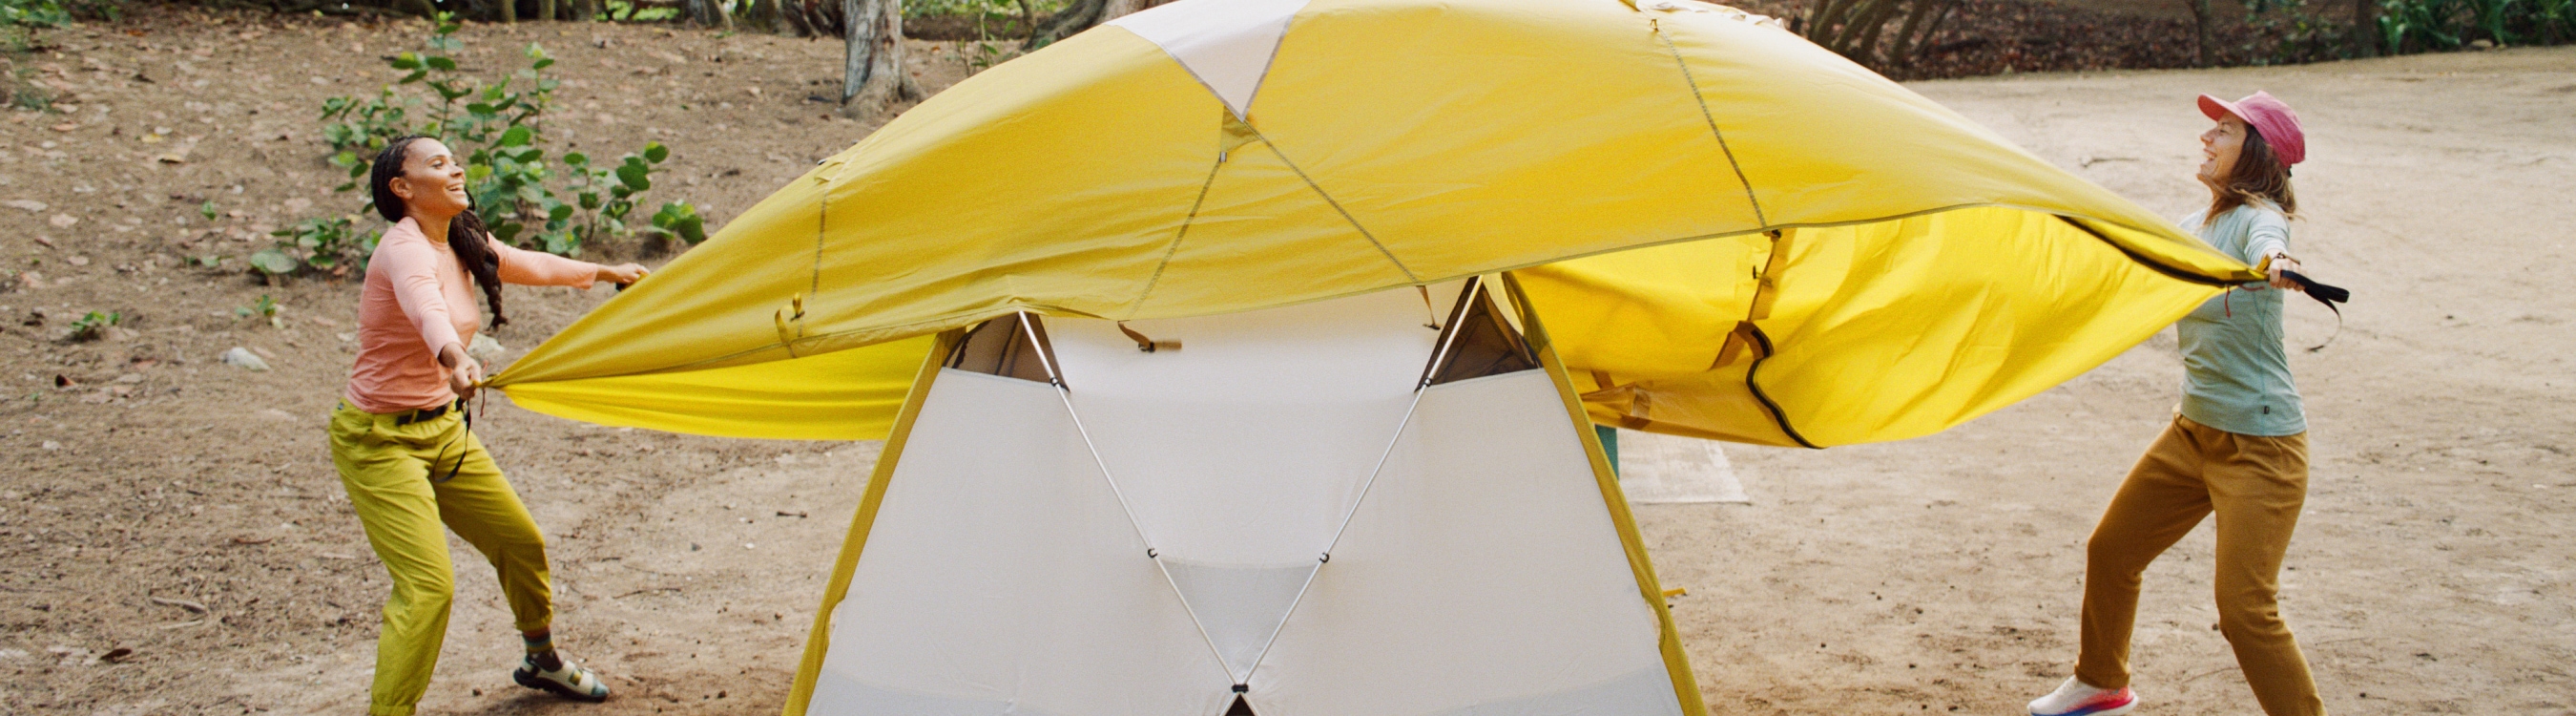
1013	346
1478	342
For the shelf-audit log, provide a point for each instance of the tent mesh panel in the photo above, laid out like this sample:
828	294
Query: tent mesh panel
1003	347
1480	342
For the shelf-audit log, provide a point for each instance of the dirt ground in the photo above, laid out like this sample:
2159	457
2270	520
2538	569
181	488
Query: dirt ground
173	538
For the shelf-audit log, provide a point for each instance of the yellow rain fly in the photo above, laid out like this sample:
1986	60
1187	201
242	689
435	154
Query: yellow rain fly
1730	232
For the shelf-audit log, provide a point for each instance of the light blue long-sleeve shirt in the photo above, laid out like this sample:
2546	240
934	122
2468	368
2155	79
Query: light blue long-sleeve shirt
2236	373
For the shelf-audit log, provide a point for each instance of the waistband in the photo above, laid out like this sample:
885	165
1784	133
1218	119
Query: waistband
407	417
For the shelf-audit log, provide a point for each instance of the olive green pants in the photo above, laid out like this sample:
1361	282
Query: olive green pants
398	481
2256	486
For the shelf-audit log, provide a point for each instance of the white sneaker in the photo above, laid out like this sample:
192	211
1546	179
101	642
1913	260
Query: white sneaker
571	681
2076	698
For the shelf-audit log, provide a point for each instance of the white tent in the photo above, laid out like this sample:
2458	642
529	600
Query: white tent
1332	508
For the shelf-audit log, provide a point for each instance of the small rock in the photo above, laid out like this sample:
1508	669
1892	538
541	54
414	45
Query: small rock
243	357
484	349
12	654
63	221
51	445
276	414
28	205
76	260
66	126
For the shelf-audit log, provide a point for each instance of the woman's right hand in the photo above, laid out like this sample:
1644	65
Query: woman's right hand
464	374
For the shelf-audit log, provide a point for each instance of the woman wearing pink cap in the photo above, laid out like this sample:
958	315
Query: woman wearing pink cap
2237	447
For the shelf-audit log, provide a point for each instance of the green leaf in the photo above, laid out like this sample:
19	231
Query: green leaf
517	137
589	201
559	212
576	159
656	152
531	156
635	177
273	262
415	76
441	63
406	61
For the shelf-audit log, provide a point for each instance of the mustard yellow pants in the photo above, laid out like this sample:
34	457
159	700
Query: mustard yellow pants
397	476
2256	486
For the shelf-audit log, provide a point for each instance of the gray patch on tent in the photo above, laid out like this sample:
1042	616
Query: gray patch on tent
1665	469
1240	607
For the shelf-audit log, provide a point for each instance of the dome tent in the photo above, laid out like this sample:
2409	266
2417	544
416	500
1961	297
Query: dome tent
1689	222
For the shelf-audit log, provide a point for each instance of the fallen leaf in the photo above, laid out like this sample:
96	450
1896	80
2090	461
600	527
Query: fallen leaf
63	221
252	540
66	126
29	205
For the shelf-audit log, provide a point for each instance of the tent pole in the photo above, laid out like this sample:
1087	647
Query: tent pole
1028	325
1475	286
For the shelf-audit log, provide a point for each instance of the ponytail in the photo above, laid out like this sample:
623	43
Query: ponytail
466	234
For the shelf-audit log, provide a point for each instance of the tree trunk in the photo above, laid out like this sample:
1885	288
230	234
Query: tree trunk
2365	28
798	18
2200	24
1924	45
546	10
708	13
872	73
509	10
763	16
1077	16
1115	9
1900	56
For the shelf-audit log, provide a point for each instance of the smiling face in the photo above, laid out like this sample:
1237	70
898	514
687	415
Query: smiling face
2219	148
432	185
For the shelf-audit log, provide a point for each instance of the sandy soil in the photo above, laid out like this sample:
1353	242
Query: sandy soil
1934	575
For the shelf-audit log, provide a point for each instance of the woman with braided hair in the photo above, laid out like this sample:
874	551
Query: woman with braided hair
398	437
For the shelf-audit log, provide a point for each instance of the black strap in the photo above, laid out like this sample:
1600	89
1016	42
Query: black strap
2328	295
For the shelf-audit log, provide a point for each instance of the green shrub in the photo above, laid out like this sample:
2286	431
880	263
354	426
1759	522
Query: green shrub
93	326
554	205
40	13
2420	25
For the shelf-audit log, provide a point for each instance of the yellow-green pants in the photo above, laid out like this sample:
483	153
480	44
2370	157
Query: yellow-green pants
398	483
2256	486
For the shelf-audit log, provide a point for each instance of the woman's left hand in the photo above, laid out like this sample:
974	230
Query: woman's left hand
2280	268
622	273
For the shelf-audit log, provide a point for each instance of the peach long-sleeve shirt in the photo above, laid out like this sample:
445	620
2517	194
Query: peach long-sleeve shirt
419	299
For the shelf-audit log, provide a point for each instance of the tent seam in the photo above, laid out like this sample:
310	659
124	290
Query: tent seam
1177	238
1337	206
1704	113
940	324
822	222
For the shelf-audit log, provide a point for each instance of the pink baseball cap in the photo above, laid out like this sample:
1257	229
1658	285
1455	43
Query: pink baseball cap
2269	117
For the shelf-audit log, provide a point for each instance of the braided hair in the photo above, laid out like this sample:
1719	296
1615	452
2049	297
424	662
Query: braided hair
466	234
